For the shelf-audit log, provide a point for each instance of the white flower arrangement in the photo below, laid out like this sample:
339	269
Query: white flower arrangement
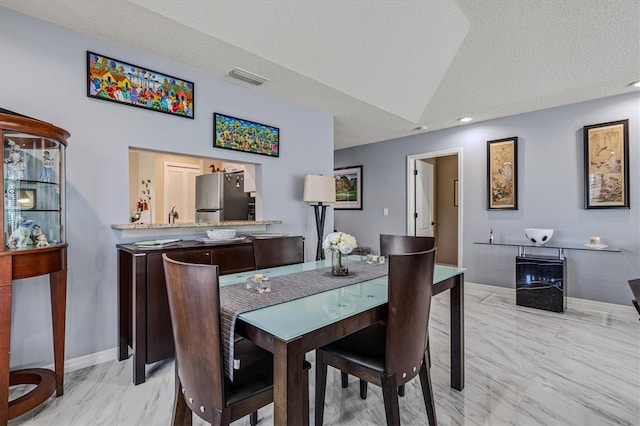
340	242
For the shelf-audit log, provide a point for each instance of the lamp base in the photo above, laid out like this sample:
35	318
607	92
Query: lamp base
320	211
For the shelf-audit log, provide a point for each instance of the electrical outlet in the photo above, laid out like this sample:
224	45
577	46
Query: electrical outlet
385	211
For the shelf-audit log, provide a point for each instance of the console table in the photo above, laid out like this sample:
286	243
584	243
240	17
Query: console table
541	280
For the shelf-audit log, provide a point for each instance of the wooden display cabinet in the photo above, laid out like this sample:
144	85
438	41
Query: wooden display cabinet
32	244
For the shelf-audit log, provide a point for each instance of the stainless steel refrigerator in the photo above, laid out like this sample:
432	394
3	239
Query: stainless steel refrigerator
220	196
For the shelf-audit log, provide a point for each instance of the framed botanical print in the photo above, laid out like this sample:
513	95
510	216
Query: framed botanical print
606	165
502	174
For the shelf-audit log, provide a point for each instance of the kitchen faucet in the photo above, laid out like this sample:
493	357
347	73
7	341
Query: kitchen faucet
173	214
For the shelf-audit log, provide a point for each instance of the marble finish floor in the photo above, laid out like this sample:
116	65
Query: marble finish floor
523	367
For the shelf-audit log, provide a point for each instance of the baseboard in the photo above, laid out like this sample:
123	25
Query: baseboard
81	361
91	359
614	308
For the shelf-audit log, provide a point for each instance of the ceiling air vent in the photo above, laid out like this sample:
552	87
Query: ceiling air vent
247	76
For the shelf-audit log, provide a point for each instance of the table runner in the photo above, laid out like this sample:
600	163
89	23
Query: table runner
236	298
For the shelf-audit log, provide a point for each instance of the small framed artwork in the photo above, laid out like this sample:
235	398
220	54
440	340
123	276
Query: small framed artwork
606	165
348	188
244	135
112	80
502	174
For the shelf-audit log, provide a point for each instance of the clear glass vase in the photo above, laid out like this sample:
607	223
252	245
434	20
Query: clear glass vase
339	264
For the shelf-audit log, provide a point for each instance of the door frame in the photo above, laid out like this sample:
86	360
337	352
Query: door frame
411	190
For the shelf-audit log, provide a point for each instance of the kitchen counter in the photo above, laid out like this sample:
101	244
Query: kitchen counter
190	228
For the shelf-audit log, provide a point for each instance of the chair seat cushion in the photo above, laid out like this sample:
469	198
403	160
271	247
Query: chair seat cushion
365	347
254	376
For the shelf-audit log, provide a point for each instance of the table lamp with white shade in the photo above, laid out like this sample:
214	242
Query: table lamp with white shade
319	189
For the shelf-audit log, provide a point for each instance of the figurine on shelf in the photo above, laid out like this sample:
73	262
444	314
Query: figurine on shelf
38	237
15	162
20	237
47	165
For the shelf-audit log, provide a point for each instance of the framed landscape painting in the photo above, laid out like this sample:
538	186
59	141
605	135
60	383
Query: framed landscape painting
116	81
244	135
606	165
348	188
502	174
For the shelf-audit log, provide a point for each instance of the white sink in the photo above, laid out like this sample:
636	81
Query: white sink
538	236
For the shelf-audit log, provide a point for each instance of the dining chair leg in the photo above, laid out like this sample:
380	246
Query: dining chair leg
363	389
344	377
321	385
390	396
427	393
181	415
225	418
253	418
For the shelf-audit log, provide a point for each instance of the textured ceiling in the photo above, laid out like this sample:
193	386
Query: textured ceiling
384	67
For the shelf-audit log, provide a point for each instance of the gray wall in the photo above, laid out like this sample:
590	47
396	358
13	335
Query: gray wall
43	75
550	195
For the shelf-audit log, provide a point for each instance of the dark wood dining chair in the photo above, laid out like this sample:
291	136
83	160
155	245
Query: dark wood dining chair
200	383
390	353
398	244
395	244
635	289
278	251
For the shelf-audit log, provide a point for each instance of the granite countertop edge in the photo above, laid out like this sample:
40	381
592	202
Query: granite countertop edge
227	223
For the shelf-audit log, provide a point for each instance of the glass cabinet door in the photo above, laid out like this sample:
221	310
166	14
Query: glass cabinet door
33	191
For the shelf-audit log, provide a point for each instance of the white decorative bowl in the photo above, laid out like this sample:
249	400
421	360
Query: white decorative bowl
221	234
538	236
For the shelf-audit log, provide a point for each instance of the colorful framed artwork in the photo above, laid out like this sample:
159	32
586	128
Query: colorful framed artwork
606	165
116	81
348	188
247	136
502	174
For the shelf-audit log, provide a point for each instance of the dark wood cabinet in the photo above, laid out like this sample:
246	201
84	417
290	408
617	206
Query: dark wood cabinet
145	322
232	259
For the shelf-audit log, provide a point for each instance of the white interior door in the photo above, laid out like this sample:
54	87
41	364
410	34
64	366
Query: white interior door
424	208
180	190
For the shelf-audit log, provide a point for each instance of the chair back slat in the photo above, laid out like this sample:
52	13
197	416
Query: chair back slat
397	244
410	290
194	304
278	251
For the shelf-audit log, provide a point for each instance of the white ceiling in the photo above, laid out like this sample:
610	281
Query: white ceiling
384	67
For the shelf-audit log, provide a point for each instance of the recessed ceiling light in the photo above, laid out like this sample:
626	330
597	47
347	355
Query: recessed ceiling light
635	84
465	119
421	128
248	76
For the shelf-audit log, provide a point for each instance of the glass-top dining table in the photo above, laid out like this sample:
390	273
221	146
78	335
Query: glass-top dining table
292	328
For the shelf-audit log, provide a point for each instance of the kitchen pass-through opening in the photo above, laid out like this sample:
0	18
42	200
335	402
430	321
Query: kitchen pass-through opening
163	188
